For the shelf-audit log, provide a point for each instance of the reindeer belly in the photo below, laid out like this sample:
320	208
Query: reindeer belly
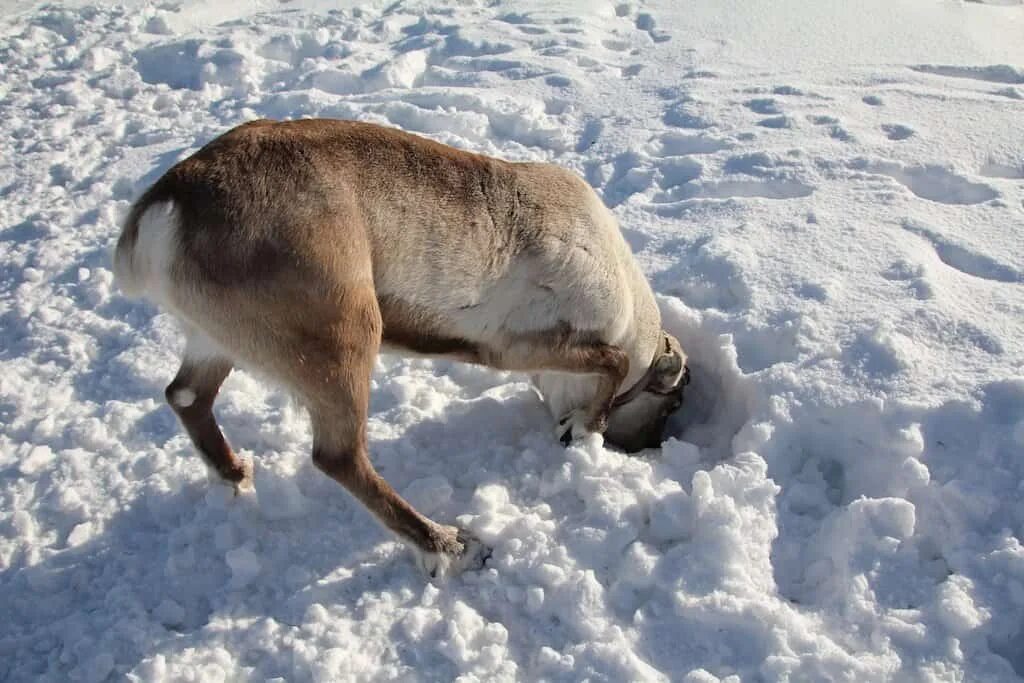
422	330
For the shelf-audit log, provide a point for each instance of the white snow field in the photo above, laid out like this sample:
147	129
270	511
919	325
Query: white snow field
828	198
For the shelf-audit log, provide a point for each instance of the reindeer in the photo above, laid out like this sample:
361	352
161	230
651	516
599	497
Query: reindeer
303	248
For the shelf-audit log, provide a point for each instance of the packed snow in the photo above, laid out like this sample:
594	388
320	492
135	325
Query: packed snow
828	198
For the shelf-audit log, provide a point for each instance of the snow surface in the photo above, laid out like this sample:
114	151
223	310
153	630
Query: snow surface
827	197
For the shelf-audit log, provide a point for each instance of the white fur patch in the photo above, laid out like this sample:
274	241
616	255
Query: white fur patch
183	398
575	423
435	565
147	270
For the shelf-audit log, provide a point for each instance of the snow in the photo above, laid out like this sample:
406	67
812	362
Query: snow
827	198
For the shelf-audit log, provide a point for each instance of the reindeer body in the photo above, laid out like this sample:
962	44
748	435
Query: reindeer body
302	248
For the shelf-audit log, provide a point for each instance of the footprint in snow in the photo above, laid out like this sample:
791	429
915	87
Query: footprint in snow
835	130
646	22
768	189
763	105
776	122
1007	171
615	45
757	175
677	143
591	132
897	131
964	259
1009	91
913	274
685	114
931	182
996	73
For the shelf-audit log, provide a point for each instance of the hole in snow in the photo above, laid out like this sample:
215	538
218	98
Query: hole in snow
715	403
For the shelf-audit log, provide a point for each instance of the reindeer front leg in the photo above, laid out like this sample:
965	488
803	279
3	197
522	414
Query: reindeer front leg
608	363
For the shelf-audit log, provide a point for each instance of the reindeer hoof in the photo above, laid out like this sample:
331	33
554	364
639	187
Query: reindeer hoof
245	484
572	427
468	553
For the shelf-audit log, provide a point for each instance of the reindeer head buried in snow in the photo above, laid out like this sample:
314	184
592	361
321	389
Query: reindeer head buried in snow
638	416
302	248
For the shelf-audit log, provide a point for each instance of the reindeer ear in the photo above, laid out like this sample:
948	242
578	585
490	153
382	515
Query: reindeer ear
668	368
668	365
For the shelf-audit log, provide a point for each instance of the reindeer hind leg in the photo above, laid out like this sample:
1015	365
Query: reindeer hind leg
334	380
191	395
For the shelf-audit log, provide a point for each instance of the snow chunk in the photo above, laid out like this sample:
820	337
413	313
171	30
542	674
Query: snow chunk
672	517
158	24
38	459
428	494
24	524
534	598
474	644
279	497
638	564
887	516
80	534
245	567
401	72
956	609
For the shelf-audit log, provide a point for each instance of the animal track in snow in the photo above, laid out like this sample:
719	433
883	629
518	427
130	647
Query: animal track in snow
731	189
675	171
934	183
675	143
767	189
913	274
712	275
897	131
524	23
1010	92
835	131
840	133
615	45
592	130
761	165
763	105
755	175
996	73
823	120
673	177
776	122
642	21
628	176
776	178
509	68
646	22
176	64
998	170
964	259
685	113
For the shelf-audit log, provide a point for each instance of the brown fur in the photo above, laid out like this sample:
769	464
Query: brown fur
204	378
287	233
